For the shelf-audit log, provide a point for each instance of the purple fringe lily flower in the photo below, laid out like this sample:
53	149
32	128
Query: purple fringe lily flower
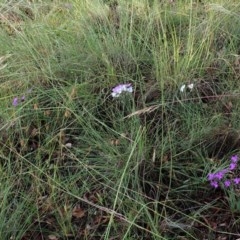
236	180
232	166
227	183
218	178
234	159
214	184
116	91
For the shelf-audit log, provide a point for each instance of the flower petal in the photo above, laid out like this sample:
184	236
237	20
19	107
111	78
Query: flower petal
232	166
190	86
114	94
236	180
182	88
227	183
15	102
116	91
234	158
214	184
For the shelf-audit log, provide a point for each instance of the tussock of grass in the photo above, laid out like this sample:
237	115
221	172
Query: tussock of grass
77	163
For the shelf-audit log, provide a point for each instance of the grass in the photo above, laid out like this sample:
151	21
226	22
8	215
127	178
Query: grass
77	163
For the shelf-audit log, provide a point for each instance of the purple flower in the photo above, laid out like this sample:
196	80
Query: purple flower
219	175
211	176
214	184
116	91
236	180
227	183
15	102
232	166
234	158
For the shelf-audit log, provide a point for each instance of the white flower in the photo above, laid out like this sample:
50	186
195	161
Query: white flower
182	88
68	145
190	86
116	91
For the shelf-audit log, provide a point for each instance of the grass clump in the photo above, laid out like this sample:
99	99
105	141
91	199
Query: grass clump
79	162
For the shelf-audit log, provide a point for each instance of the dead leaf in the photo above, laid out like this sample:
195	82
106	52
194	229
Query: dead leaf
34	132
45	204
100	219
47	113
68	145
62	136
67	114
73	93
115	142
22	143
91	197
227	108
78	212
52	237
35	106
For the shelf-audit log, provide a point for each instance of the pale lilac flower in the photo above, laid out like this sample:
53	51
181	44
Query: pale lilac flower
236	180
234	158
15	102
116	91
227	183
214	184
232	166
